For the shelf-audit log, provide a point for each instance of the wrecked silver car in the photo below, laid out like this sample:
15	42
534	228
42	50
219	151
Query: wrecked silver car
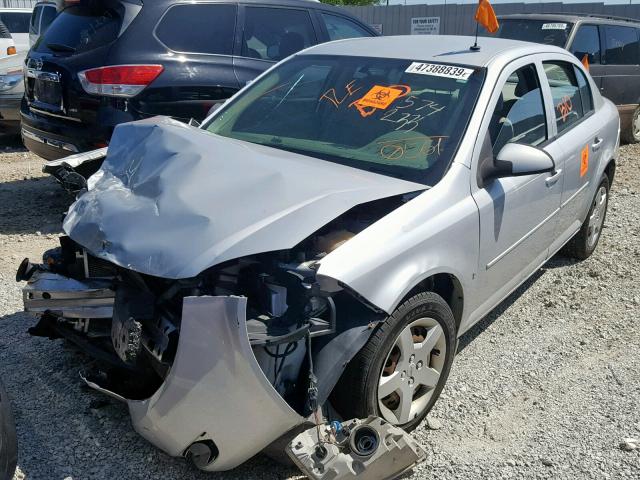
316	248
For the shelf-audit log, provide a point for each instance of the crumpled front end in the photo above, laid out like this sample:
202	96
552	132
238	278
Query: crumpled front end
216	396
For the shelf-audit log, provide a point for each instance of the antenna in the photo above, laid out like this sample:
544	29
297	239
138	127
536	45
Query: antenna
475	47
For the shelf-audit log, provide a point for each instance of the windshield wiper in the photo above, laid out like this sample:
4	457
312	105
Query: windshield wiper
60	47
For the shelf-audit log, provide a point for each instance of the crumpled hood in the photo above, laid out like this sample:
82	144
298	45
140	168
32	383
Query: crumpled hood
171	200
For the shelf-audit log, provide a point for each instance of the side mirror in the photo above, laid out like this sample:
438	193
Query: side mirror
516	160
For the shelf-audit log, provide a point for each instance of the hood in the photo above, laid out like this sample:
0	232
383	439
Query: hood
172	200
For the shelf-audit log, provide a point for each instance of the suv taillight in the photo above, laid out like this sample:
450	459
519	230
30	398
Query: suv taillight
119	80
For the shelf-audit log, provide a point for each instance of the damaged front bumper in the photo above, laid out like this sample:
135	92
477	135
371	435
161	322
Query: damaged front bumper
215	391
215	406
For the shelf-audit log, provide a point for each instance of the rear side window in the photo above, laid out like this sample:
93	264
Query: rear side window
48	15
585	91
16	22
621	45
275	33
340	27
81	29
35	19
587	42
192	28
566	94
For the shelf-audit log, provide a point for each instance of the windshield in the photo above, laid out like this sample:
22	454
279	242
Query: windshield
396	117
536	31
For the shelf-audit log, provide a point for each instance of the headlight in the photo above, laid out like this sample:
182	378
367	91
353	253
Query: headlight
10	80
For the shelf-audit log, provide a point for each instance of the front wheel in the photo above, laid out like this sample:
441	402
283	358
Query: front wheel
400	372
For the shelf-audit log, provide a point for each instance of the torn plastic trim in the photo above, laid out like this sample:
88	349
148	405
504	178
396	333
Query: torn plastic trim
48	292
72	171
215	390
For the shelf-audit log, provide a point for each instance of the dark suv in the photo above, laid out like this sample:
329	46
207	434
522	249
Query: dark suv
611	45
106	62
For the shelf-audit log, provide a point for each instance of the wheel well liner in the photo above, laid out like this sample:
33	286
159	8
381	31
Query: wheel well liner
610	170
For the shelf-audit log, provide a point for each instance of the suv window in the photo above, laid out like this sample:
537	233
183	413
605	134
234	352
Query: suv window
621	45
49	13
194	28
275	33
16	22
35	19
81	29
587	42
537	31
519	115
340	27
566	94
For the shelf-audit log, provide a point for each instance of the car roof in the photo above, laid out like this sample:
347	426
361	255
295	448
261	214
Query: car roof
572	18
437	48
22	10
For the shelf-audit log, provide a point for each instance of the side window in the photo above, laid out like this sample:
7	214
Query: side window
565	92
340	27
35	20
585	91
49	13
519	115
621	45
199	28
275	33
587	42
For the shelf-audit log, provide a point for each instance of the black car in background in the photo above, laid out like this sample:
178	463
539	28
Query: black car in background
610	43
102	63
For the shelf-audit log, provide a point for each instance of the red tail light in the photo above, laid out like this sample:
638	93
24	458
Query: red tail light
119	80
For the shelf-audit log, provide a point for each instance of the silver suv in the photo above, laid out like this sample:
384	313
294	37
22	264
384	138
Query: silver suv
325	237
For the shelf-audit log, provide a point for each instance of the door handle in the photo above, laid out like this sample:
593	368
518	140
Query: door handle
551	181
595	146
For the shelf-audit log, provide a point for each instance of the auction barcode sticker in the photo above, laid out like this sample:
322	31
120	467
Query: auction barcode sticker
554	26
439	70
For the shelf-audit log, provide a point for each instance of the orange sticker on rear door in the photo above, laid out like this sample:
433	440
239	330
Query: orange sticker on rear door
584	161
380	97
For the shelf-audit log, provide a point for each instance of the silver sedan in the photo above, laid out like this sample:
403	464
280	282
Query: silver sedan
325	237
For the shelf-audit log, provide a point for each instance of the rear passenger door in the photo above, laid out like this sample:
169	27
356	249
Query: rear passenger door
200	39
577	130
268	34
622	59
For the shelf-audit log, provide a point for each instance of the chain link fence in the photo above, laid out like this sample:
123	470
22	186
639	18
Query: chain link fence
17	3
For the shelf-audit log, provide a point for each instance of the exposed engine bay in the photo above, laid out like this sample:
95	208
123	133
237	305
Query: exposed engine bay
131	321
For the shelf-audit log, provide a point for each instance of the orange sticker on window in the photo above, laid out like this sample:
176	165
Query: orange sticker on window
380	97
584	161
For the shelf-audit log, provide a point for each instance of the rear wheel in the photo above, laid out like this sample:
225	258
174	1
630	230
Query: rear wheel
583	244
401	371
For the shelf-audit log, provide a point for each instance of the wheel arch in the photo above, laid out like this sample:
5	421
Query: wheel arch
445	284
610	170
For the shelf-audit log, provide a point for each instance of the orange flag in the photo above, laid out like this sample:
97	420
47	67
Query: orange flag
585	61
486	17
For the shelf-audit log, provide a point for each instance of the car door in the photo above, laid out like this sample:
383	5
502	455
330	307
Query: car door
198	64
267	35
517	213
578	132
622	58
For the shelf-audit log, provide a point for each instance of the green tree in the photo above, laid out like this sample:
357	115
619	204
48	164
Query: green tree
354	2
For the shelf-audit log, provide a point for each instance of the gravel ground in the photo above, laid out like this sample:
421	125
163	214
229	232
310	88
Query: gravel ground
546	386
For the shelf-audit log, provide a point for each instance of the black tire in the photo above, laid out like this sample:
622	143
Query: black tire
8	441
631	134
356	394
579	246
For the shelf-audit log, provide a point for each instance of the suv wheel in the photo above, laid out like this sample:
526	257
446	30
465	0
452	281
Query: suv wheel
401	371
582	245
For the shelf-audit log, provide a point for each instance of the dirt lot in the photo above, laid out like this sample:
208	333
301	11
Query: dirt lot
547	386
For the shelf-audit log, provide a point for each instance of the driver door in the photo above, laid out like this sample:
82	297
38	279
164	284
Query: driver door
517	213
